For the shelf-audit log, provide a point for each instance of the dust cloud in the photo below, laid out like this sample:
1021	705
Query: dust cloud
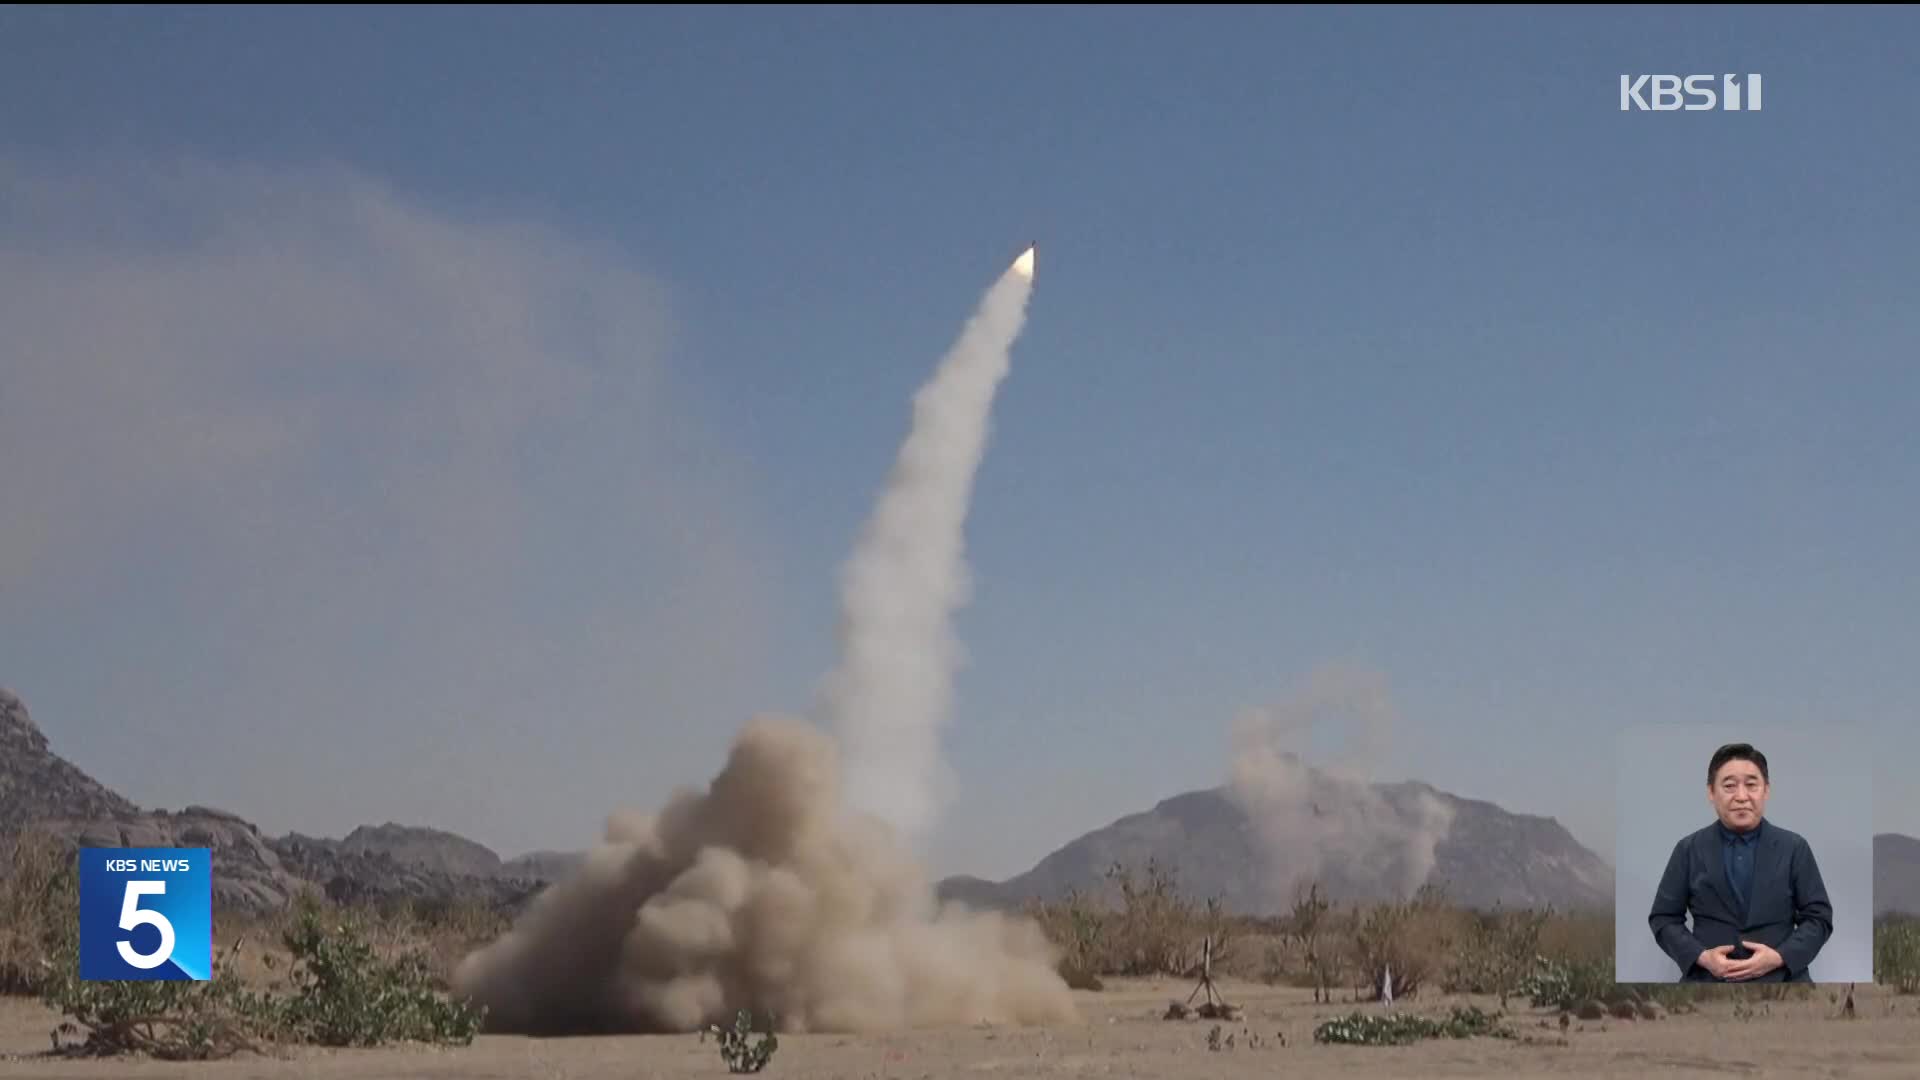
1331	823
759	893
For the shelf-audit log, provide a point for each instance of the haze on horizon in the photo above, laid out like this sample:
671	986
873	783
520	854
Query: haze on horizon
475	442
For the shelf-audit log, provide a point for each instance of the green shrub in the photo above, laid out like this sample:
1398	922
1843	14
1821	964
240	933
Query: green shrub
1401	1029
1568	984
741	1055
173	1021
342	995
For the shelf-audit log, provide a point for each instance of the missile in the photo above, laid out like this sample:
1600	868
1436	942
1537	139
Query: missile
1024	263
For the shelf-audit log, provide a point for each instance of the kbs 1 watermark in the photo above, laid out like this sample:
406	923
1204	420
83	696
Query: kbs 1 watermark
1689	93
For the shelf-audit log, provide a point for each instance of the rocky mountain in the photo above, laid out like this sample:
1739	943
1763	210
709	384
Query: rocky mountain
394	862
543	865
1488	856
433	849
39	788
1896	874
37	784
247	874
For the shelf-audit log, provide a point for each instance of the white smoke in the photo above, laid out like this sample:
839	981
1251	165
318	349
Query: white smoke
1331	823
892	693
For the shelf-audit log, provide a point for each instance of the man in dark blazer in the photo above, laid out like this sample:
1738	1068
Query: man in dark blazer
1760	911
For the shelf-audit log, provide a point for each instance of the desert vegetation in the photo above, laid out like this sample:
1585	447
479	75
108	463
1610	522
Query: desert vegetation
739	1049
1896	952
314	973
1146	925
362	974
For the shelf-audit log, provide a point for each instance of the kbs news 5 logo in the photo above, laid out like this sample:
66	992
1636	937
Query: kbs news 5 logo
146	913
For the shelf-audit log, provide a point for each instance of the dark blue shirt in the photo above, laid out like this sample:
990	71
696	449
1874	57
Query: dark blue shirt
1736	850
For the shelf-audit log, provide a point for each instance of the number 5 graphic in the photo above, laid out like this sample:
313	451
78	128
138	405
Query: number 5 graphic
132	915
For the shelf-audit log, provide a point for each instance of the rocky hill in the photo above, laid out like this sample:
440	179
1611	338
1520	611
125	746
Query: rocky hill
394	862
543	865
38	785
41	789
433	849
1488	856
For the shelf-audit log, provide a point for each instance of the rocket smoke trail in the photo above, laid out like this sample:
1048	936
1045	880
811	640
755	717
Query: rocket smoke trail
892	693
761	892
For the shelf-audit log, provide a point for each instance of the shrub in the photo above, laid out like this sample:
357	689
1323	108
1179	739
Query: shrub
173	1021
39	894
1401	1029
1155	928
1312	927
1896	953
1569	984
342	995
1498	953
740	1055
1074	926
1409	937
1146	928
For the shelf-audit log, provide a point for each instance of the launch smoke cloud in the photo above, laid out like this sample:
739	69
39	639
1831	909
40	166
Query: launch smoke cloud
759	893
770	892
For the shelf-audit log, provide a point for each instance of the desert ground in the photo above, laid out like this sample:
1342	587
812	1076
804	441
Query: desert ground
1121	1033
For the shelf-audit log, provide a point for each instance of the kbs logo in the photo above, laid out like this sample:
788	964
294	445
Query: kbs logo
1670	93
146	913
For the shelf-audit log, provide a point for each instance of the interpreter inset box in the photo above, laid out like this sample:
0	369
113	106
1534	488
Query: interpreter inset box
1743	855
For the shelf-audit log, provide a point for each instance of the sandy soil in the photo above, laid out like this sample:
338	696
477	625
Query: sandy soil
1121	1034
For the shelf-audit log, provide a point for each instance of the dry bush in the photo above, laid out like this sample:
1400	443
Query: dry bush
1583	936
1498	952
1257	955
1143	927
440	933
1074	926
39	902
1896	953
1411	938
250	946
1156	930
1319	931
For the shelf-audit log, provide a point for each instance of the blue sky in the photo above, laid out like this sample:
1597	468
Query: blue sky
460	419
